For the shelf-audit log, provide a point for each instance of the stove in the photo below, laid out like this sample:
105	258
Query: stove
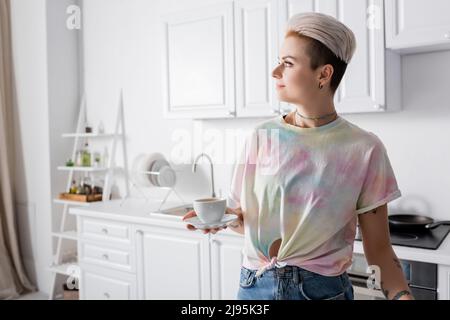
426	239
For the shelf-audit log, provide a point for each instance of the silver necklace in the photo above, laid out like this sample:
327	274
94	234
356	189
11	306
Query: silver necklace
312	118
315	118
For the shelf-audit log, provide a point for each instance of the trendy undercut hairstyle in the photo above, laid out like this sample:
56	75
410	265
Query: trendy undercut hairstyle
330	42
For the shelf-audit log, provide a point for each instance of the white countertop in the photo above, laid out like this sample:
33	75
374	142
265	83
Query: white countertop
132	210
141	211
438	256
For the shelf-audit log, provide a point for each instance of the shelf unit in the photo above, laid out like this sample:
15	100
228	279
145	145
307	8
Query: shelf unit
73	203
63	269
70	268
86	169
88	135
70	235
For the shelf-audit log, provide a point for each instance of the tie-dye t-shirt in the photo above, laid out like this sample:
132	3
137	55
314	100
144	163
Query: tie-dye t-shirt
306	186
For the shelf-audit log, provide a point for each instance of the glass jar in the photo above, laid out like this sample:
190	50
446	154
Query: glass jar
86	156
73	188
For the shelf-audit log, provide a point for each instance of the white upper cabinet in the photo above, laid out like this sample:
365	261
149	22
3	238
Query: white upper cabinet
256	56
372	69
417	25
198	62
218	59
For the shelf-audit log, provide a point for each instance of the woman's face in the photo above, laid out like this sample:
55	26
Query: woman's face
296	82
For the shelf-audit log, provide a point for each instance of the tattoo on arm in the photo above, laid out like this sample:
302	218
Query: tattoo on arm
397	296
400	294
397	263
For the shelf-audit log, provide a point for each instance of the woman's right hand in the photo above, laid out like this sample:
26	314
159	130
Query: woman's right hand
191	214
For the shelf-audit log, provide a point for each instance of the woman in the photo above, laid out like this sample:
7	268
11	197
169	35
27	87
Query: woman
299	213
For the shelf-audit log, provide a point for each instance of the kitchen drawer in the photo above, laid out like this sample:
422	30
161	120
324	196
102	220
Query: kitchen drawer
110	257
104	284
105	230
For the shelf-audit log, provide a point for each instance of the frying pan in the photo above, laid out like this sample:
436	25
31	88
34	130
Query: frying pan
411	221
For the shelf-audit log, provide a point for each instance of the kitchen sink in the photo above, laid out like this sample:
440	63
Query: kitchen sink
176	211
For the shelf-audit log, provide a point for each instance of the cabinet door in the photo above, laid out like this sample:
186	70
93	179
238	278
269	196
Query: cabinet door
172	264
443	282
198	63
106	284
226	261
417	25
256	54
363	87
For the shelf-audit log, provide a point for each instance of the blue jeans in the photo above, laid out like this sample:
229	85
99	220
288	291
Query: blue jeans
293	283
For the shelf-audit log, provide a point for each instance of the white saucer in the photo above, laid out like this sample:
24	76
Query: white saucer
227	218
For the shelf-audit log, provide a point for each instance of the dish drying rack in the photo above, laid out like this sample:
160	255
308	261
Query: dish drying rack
153	170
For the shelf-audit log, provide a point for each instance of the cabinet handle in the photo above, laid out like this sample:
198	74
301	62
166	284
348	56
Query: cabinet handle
105	256
231	113
107	296
140	232
105	231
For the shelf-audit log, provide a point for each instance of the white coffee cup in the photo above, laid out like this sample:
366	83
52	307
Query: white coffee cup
210	210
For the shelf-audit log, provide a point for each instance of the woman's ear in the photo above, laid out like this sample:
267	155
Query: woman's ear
326	74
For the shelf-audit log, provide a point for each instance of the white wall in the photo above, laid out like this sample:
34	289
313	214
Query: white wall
418	138
32	174
46	67
121	50
63	67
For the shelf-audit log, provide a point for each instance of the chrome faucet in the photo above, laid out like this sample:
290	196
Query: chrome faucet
194	166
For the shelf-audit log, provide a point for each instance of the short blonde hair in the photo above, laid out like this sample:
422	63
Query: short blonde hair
326	29
329	42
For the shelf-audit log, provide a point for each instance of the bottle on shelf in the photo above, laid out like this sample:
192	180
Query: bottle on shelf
79	158
80	189
87	185
86	158
99	186
73	187
100	128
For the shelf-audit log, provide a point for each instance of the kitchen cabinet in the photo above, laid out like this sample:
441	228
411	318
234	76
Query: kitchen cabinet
443	282
155	259
198	62
226	261
106	284
417	26
172	264
239	43
256	25
372	82
218	59
107	260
